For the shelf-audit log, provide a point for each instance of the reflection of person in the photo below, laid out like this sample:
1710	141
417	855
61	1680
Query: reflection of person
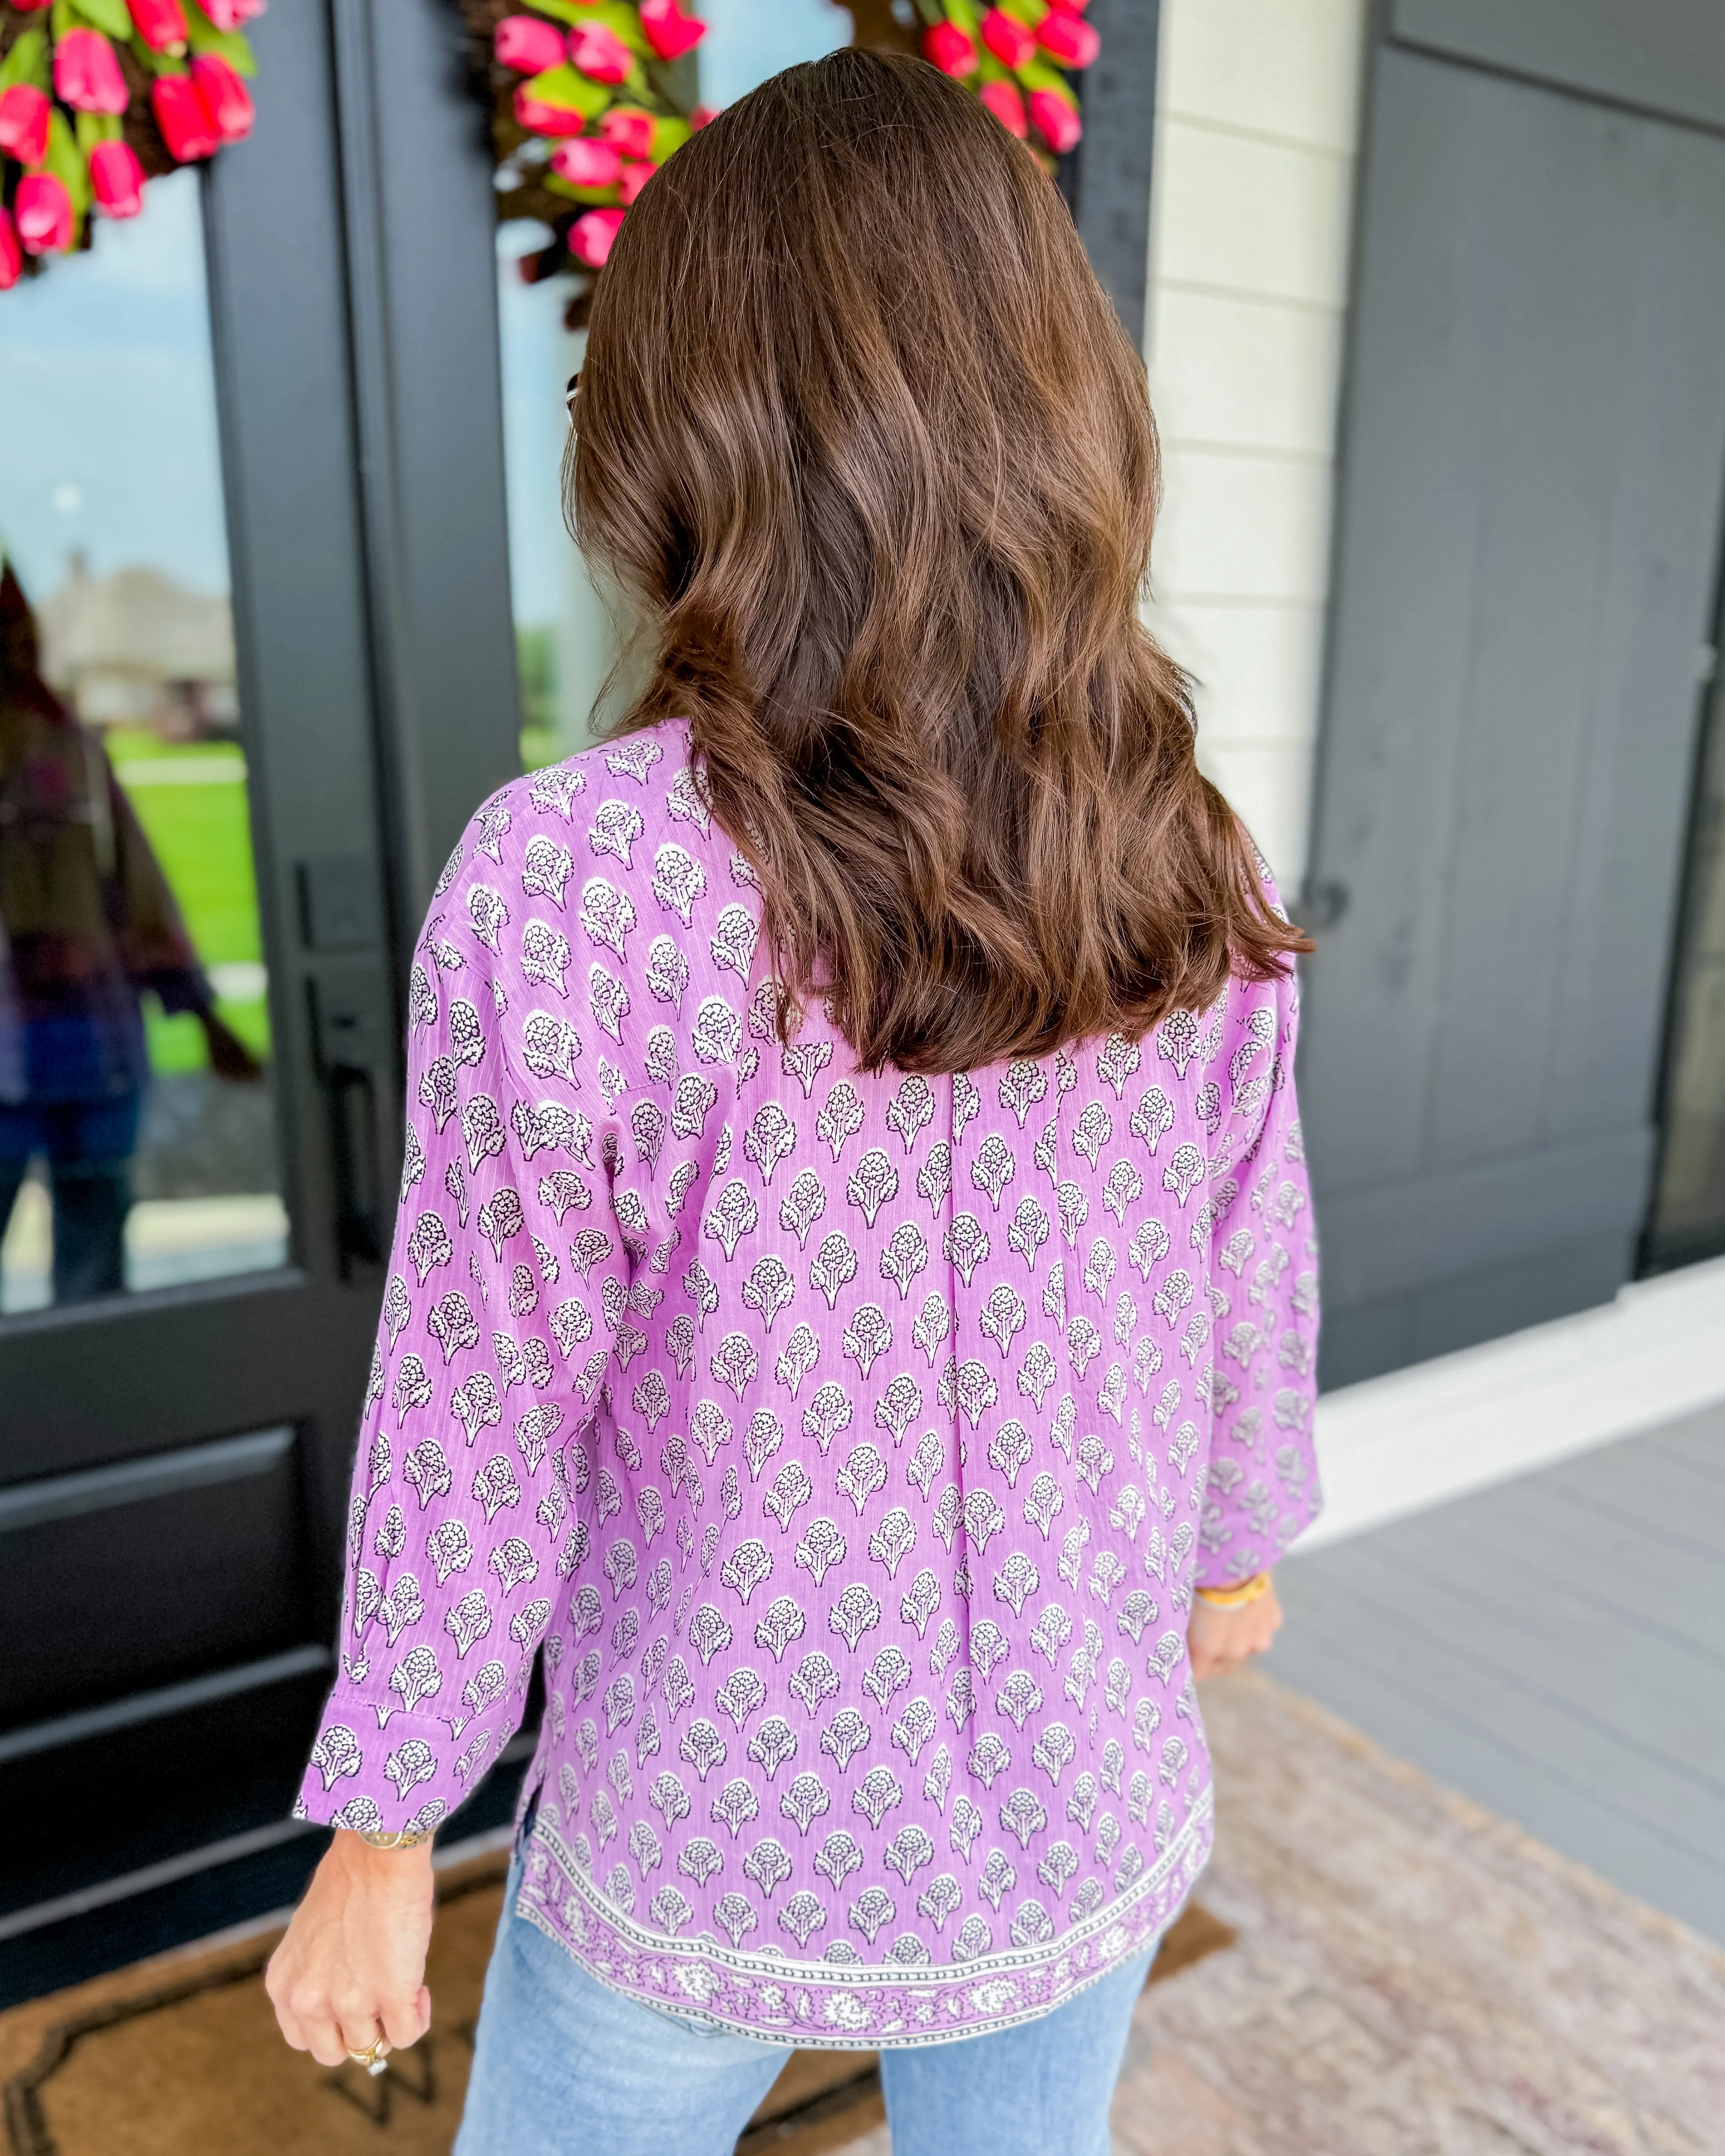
89	923
854	1285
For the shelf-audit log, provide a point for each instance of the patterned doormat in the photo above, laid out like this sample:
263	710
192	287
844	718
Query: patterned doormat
1378	1969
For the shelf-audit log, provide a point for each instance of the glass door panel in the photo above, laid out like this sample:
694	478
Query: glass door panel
138	1144
565	641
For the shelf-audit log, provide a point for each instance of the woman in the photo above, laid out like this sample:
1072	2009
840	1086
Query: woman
855	1278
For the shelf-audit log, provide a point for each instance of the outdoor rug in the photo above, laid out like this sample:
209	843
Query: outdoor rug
1378	1968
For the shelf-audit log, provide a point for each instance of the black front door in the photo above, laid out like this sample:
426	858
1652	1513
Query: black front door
277	641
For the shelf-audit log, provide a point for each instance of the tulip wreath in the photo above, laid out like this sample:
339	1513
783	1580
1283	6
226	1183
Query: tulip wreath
98	95
588	100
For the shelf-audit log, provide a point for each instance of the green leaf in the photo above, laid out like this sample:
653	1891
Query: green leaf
27	61
570	92
90	128
111	16
967	18
600	197
65	161
1038	74
564	11
229	45
669	136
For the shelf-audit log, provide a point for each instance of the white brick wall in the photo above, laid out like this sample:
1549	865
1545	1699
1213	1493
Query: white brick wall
1255	131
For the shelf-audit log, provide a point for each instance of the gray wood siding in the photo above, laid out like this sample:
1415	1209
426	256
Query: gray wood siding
1664	56
1532	468
1554	1649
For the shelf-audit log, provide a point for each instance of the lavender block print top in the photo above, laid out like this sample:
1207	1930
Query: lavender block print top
848	1446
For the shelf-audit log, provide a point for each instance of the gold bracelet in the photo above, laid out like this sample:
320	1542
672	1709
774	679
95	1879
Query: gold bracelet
1241	1596
409	1837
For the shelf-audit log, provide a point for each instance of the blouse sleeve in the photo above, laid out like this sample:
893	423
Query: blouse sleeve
1262	1486
507	1288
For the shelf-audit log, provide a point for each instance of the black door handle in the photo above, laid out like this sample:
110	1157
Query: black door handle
351	1029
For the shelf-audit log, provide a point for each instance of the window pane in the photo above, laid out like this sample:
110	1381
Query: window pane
132	963
564	642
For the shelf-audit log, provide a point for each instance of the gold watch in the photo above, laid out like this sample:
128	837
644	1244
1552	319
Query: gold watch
409	1837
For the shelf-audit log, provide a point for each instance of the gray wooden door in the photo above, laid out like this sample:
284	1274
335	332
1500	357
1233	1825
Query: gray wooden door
1534	448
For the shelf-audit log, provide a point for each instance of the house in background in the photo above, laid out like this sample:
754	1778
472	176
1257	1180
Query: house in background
136	649
1433	297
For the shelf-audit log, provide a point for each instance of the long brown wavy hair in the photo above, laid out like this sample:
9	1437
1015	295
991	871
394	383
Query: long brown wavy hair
859	433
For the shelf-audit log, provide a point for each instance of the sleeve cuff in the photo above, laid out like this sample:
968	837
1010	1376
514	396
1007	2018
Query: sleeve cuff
385	1770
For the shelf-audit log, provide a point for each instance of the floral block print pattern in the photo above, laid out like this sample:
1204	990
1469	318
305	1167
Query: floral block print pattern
848	1446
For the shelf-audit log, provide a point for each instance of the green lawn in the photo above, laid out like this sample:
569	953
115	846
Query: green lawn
203	838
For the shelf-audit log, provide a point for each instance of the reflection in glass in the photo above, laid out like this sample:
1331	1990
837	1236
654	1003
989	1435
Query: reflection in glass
565	643
137	1143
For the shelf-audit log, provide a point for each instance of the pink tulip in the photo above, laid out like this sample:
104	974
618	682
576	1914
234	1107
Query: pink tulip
599	53
1004	101
117	178
11	258
184	119
1010	42
586	163
950	49
233	14
627	129
226	98
634	178
541	117
86	74
43	210
591	236
703	115
528	43
29	6
669	30
160	24
1055	120
23	123
1068	38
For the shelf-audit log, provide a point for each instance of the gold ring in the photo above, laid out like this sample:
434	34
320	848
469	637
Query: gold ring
373	2058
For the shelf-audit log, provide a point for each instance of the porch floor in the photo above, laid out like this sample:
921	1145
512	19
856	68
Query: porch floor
1553	1648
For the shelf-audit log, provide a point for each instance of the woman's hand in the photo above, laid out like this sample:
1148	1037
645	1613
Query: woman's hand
229	1057
351	1968
1219	1640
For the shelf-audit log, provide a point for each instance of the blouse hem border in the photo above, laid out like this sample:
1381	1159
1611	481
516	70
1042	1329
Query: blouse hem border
942	1992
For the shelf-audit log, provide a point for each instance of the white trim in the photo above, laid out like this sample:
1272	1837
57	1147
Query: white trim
1418	1437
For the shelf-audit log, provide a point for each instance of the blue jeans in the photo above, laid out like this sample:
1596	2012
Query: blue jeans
563	2066
89	1146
